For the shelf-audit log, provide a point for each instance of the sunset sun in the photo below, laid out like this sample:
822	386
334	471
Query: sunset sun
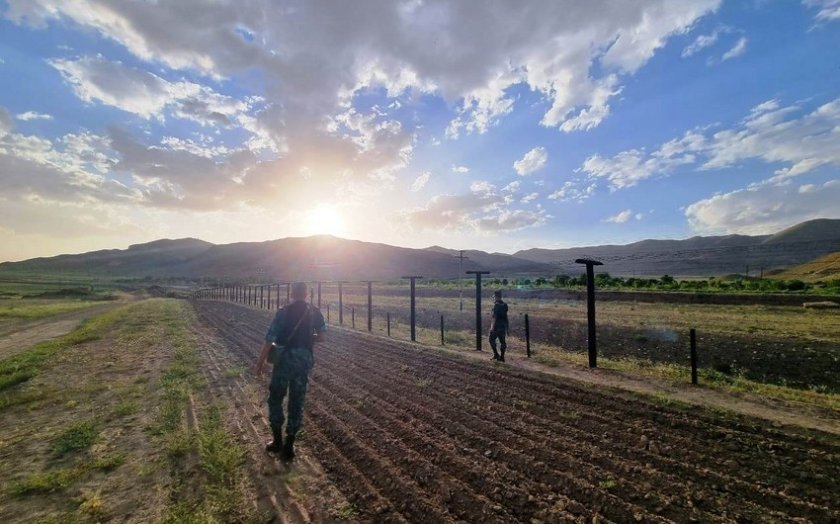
324	219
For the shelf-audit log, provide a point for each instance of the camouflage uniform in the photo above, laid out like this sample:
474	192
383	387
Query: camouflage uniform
293	365
499	332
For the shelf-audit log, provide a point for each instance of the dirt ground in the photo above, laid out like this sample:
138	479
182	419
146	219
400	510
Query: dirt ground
19	334
406	433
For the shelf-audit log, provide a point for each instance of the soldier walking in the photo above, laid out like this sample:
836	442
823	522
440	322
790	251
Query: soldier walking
499	327
288	346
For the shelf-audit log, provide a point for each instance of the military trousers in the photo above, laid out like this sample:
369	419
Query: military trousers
498	333
290	374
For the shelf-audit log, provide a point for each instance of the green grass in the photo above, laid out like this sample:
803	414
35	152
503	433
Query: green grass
79	436
677	374
346	512
31	311
214	495
59	479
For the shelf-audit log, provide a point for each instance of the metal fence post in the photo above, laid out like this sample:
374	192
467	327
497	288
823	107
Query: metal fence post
693	337
477	306
527	336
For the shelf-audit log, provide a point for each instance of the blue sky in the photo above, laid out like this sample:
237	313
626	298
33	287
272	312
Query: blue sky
463	124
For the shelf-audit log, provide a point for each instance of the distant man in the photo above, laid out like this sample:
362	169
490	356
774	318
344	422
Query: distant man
291	339
499	327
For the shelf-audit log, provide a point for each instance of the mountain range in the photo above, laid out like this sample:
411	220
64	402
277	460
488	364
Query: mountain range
331	258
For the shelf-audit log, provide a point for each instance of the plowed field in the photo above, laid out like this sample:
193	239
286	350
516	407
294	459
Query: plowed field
410	434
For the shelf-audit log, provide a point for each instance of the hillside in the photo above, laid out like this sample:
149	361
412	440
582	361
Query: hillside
317	257
824	268
331	258
703	256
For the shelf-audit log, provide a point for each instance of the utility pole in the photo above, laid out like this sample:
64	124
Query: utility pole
477	306
460	256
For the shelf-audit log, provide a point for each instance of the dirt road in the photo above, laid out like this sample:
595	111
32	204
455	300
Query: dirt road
18	335
408	434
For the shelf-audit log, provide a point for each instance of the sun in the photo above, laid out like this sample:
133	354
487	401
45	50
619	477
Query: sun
325	219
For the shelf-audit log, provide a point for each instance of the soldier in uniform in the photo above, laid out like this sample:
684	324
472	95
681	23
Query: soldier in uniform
499	326
290	339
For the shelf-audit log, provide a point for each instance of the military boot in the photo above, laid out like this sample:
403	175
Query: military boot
289	448
276	445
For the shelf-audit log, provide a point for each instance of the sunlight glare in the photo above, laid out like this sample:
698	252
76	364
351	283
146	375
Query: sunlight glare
324	219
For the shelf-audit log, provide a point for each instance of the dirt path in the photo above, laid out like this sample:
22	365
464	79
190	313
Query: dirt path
297	493
19	336
411	434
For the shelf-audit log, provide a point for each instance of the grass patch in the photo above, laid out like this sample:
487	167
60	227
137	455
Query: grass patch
36	311
126	408
346	512
215	494
707	377
234	372
46	482
79	436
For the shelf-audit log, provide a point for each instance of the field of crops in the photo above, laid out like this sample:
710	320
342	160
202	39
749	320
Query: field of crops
412	434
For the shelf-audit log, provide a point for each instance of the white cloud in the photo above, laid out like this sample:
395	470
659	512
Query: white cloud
469	54
621	217
574	191
146	94
763	208
460	169
770	133
737	50
530	197
700	43
828	10
483	210
421	181
533	160
32	115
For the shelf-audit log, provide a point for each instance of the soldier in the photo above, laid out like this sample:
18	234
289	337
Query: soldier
288	346
499	327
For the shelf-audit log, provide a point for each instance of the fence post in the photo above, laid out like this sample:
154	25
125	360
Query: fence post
353	316
388	316
340	305
693	337
370	306
413	280
527	336
269	297
442	342
477	306
328	313
319	294
590	306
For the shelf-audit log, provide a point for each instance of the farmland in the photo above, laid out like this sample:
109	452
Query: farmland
788	346
396	431
408	434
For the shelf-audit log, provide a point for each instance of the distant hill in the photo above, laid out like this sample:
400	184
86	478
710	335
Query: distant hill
824	268
819	230
703	256
317	257
331	258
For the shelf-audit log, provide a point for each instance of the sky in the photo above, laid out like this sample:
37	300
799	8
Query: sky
495	125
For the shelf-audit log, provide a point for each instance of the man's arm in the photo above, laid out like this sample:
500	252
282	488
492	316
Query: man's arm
270	337
320	331
266	347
